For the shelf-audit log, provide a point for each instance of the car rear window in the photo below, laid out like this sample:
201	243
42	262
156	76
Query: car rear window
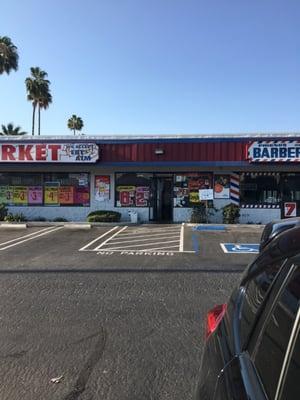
271	349
256	288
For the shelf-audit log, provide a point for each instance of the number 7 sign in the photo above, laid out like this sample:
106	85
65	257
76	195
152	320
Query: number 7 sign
290	209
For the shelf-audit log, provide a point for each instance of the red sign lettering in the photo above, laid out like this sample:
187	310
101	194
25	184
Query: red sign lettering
24	152
54	150
8	151
41	152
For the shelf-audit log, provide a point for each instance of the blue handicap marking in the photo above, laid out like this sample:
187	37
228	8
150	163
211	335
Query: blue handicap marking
239	248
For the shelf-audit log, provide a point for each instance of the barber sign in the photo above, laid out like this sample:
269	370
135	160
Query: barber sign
49	152
274	151
290	209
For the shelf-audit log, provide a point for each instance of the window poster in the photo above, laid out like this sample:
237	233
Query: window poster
142	196
187	186
51	196
35	195
102	187
126	195
82	196
66	195
221	186
20	195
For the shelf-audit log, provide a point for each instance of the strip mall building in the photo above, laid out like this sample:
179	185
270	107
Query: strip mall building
159	177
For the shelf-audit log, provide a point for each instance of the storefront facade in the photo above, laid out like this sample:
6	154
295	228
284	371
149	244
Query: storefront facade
161	178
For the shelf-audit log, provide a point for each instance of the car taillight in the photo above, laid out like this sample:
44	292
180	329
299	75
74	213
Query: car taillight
214	317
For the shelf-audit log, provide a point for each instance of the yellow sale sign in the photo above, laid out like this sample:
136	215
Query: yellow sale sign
51	195
20	195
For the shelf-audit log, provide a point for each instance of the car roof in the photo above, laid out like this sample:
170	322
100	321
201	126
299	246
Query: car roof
286	244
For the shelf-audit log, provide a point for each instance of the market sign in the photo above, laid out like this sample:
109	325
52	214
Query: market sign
49	152
274	151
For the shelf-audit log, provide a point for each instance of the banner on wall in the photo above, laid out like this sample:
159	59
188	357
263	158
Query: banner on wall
274	151
49	152
221	186
102	187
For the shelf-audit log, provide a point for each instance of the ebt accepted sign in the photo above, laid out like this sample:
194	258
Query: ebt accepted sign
49	152
274	151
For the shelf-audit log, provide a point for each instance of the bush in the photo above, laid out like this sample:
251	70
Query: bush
231	214
3	212
201	213
60	219
104	216
18	217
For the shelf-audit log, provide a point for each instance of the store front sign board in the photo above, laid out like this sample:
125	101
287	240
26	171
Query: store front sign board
49	152
274	151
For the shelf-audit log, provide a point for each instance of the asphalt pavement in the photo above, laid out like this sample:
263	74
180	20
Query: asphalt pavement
112	313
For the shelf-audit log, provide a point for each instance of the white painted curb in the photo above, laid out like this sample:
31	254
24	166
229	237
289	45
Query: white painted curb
13	226
77	226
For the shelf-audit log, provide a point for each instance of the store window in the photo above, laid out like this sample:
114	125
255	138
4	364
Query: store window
260	188
133	189
290	187
187	186
59	189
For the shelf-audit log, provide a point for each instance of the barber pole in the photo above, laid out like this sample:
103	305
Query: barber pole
235	189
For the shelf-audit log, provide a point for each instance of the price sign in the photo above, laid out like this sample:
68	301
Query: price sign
66	195
51	195
142	196
9	194
82	196
35	195
20	195
206	194
290	209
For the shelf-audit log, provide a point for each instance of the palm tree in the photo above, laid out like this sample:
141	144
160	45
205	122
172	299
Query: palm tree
10	129
75	123
38	92
8	55
43	102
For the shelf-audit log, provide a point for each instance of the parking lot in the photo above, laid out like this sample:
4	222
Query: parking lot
114	312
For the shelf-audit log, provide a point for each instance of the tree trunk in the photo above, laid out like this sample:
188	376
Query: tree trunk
33	118
39	120
74	132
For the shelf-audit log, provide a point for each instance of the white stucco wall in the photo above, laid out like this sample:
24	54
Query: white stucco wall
259	215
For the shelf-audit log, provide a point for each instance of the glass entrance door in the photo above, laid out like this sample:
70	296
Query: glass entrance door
161	197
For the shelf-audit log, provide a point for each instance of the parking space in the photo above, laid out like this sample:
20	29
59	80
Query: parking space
115	311
144	240
106	247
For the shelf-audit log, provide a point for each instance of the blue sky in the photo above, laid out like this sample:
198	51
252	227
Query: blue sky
157	66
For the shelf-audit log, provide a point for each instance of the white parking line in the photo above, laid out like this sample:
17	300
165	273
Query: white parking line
107	240
147	233
160	248
144	240
137	245
25	236
98	238
32	237
181	238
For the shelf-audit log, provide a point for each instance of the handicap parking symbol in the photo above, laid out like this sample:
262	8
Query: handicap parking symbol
240	248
